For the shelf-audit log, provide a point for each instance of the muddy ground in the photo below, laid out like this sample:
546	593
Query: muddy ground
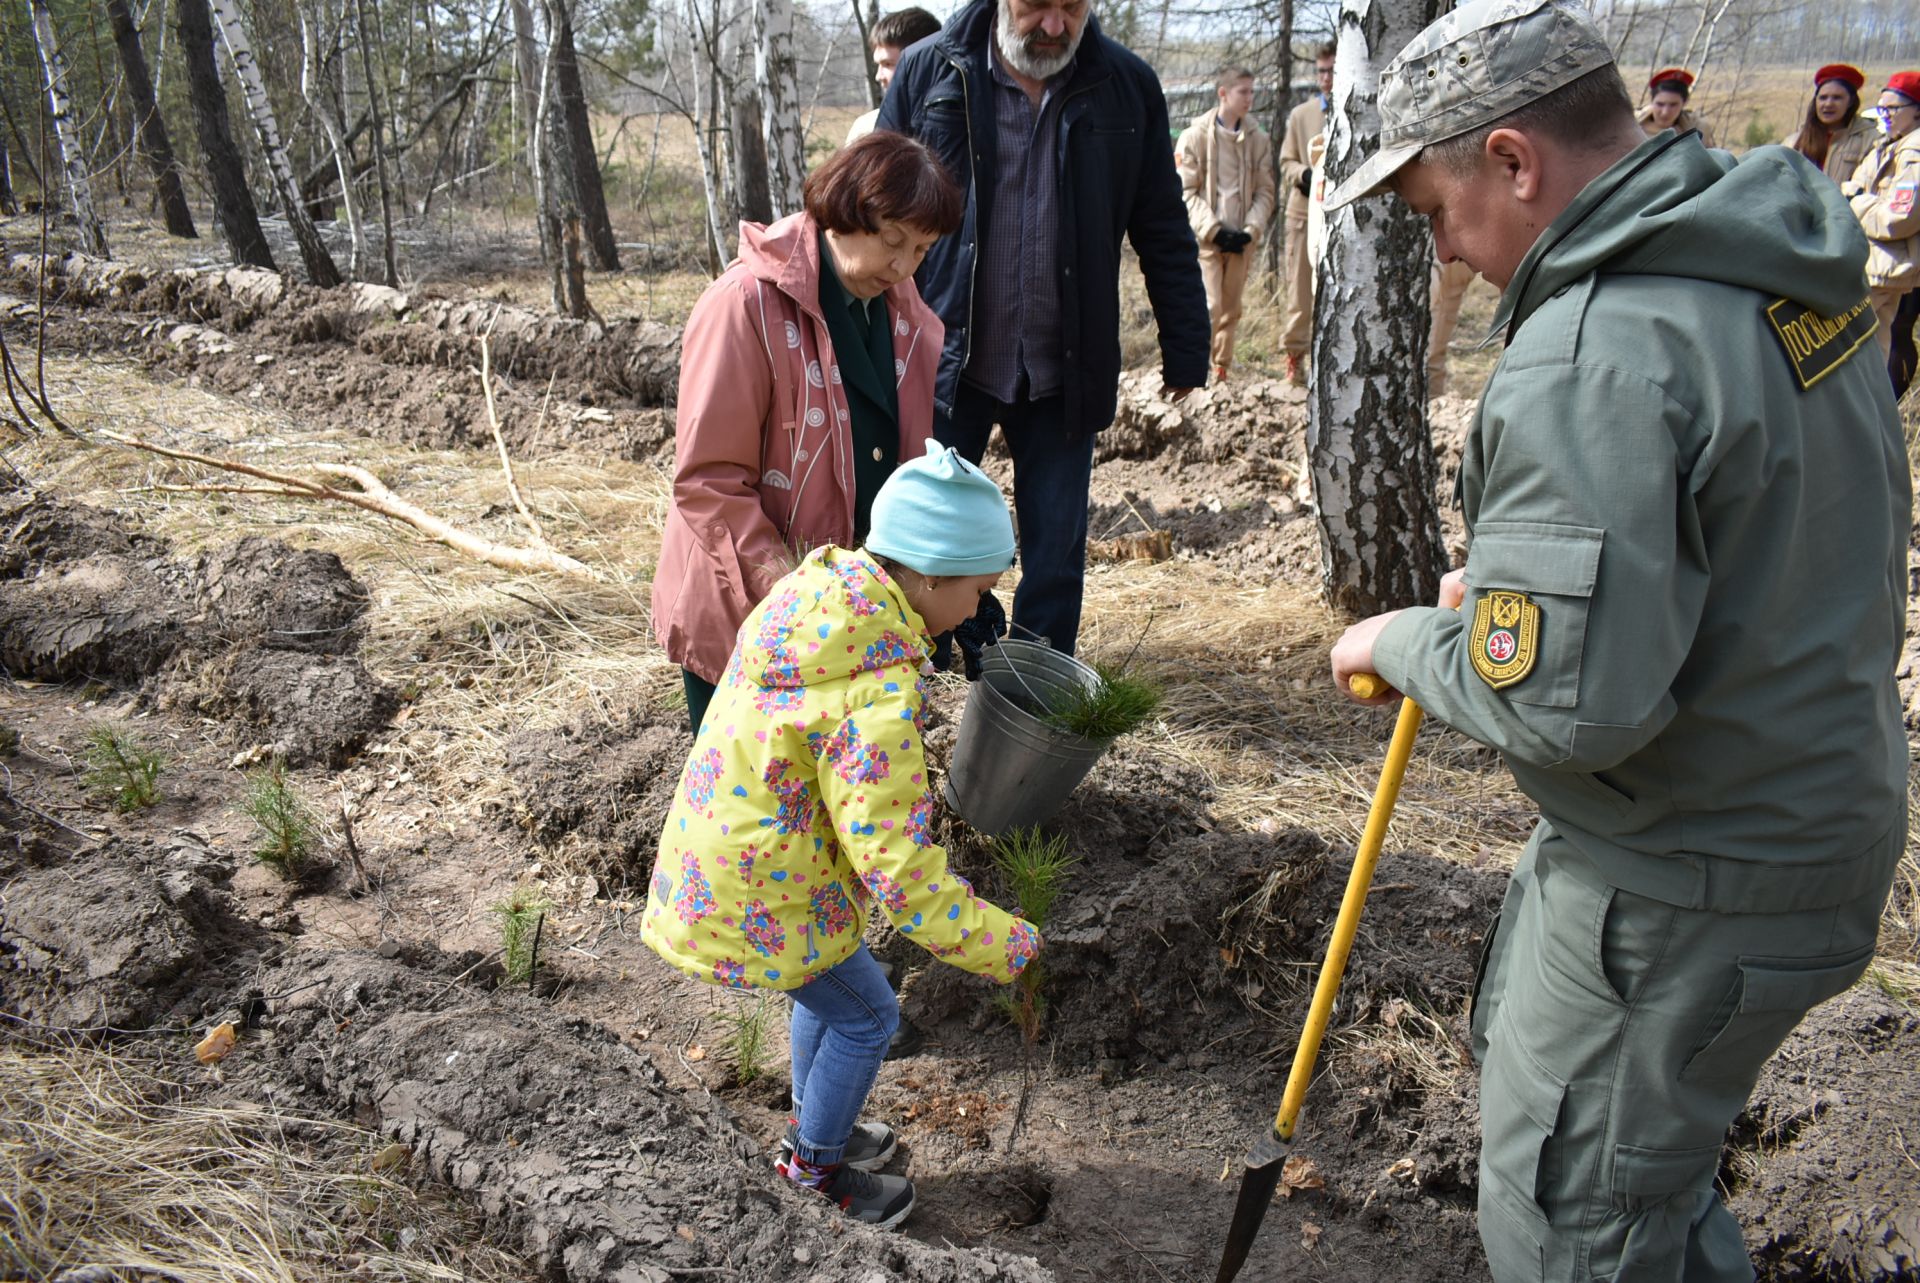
596	1119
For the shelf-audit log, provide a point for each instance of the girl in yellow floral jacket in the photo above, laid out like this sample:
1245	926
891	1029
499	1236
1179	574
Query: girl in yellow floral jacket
806	799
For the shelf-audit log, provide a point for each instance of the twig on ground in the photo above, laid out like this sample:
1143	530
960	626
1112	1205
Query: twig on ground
373	496
364	881
500	443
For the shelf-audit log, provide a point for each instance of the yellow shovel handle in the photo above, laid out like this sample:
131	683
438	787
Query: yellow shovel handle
1348	924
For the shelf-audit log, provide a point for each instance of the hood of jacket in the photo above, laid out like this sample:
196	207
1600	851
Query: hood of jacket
1768	221
836	616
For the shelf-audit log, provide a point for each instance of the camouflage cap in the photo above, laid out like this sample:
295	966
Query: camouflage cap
1482	61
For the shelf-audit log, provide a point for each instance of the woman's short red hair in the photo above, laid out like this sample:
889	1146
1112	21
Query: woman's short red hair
883	178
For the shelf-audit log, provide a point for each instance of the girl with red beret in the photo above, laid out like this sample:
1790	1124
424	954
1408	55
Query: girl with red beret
1885	195
1836	135
1671	87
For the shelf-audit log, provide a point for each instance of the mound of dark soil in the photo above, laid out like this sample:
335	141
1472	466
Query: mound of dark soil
572	1142
1824	1169
603	787
255	632
405	367
125	936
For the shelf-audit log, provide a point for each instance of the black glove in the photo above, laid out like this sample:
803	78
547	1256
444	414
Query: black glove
1304	183
973	636
1230	241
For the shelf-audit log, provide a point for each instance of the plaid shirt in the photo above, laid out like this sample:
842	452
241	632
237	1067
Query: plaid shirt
1016	303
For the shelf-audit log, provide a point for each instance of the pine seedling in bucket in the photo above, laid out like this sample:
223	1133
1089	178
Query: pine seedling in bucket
520	917
287	823
1037	866
1116	705
121	770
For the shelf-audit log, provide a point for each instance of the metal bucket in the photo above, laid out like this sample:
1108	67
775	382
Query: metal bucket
1009	768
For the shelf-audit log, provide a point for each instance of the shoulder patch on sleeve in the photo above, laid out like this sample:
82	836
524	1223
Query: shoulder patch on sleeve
1816	345
1506	637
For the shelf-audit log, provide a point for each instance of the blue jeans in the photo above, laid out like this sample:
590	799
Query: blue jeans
1051	469
842	1022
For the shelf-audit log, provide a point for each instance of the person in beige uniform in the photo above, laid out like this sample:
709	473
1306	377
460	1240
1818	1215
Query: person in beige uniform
1226	175
1836	135
1671	87
1885	195
1304	124
1446	287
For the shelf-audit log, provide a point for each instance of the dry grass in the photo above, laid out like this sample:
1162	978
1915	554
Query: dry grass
107	1165
483	654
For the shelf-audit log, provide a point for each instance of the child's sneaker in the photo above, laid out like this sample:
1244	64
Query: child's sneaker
868	1149
872	1197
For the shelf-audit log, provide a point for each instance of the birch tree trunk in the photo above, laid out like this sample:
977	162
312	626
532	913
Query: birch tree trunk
529	68
66	133
369	33
314	94
246	69
778	79
1368	445
155	145
865	14
233	210
8	205
588	191
1277	129
752	199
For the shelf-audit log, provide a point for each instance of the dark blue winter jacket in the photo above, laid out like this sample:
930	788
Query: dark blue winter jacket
1116	178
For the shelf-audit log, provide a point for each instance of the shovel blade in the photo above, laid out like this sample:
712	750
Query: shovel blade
1264	1163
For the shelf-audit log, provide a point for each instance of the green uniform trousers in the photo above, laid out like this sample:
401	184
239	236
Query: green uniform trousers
1618	1037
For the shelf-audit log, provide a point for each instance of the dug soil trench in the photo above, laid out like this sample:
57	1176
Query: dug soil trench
608	1121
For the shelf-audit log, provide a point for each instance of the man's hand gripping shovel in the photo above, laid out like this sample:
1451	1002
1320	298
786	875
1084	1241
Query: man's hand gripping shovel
1265	1160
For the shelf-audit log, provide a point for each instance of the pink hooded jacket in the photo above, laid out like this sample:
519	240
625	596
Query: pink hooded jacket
763	445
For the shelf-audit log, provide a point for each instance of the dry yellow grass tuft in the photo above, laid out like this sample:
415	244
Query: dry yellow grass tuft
110	1166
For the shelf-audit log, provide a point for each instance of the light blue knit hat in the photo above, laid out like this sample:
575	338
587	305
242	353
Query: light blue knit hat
940	515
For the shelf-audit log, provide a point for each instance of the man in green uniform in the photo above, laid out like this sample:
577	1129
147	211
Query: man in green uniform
1678	623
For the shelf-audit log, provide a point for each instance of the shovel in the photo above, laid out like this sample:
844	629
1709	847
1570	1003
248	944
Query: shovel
1265	1161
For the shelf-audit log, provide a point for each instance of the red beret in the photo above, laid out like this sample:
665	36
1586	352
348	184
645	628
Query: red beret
1906	84
1665	74
1845	73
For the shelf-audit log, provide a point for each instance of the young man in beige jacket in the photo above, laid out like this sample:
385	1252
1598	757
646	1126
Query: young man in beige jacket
1304	124
1226	174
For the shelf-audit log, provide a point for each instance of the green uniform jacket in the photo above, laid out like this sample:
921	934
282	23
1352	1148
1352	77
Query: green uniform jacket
1717	553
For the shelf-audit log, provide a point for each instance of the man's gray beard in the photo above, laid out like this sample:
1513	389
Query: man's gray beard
1015	55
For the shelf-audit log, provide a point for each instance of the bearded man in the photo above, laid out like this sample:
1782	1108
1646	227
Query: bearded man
1059	137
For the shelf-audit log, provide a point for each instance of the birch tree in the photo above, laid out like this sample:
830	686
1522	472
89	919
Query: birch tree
66	132
253	88
151	127
7	205
1368	444
752	199
233	208
777	76
321	104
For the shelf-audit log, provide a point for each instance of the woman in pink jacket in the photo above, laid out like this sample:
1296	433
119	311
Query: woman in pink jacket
806	375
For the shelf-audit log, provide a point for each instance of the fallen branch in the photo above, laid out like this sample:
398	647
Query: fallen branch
372	496
500	442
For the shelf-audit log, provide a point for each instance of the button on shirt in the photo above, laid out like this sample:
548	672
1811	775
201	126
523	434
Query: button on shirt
1016	301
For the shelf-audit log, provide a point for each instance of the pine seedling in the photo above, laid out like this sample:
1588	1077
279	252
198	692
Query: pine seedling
288	825
1116	705
1037	867
121	770
520	917
747	1039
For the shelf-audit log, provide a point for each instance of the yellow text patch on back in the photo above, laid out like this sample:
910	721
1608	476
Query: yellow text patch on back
1816	344
1506	637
